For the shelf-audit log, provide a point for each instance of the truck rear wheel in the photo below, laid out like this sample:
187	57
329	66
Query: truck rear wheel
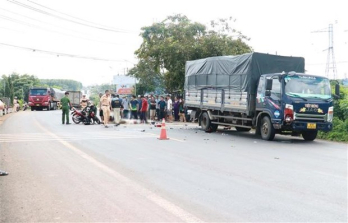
206	123
266	128
309	136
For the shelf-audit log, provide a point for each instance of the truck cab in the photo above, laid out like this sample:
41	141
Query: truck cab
293	103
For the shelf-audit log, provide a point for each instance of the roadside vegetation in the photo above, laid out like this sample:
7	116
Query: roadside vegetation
340	121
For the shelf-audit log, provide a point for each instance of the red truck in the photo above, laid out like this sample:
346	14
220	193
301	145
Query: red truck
44	98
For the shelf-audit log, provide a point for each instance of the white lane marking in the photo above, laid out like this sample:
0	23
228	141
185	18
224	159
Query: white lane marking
160	201
46	137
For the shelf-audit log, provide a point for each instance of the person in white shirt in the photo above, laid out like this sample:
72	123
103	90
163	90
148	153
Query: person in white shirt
169	109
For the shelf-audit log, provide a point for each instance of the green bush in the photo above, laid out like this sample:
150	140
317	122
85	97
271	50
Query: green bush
339	132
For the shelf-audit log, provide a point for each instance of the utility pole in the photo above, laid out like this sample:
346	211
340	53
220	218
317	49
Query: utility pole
330	61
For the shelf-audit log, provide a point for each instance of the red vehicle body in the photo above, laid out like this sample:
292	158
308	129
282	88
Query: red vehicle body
44	98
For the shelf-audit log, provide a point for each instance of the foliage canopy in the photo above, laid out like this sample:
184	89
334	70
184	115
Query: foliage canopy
167	45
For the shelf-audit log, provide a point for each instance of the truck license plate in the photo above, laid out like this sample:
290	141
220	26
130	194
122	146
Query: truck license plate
311	125
37	105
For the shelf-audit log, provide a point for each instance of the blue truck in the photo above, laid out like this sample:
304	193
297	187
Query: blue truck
268	93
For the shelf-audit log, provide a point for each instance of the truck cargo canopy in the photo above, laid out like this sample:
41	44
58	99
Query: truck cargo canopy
240	72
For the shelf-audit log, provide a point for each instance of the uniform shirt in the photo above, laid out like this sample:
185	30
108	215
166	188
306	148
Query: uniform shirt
65	102
83	102
114	104
105	100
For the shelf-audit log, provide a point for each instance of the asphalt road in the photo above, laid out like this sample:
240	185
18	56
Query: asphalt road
77	173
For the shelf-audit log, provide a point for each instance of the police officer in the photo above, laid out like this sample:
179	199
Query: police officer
105	104
83	102
65	102
116	104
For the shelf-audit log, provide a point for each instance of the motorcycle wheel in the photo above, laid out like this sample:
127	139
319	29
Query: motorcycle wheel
76	119
96	119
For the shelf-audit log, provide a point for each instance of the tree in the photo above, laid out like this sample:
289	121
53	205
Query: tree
167	46
150	80
62	84
18	85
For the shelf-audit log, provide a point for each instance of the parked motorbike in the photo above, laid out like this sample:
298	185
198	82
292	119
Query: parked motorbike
87	115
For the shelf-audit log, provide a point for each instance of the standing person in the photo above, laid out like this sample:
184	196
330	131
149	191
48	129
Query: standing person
162	108
15	104
169	109
100	110
2	108
83	102
153	106
143	109
157	108
134	105
125	105
148	98
176	109
116	104
105	105
140	106
66	105
182	111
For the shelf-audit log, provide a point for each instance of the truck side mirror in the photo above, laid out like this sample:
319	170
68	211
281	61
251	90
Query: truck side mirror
269	83
337	90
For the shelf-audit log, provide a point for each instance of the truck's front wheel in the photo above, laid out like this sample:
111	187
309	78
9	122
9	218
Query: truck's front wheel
309	136
206	123
266	129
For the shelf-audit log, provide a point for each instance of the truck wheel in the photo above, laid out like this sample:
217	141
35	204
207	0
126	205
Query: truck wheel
266	128
240	129
206	123
309	136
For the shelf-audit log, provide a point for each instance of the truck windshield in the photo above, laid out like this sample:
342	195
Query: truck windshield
304	86
37	92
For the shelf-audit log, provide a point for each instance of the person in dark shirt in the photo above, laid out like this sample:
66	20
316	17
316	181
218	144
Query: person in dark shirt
134	104
162	107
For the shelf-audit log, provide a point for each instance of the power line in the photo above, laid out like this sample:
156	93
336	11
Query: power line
73	16
62	18
49	30
60	54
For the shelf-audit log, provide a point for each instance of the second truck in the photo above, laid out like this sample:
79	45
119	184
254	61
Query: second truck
268	93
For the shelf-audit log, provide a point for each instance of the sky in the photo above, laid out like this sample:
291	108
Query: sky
92	40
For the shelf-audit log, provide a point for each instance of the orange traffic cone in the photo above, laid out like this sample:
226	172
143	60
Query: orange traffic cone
163	135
